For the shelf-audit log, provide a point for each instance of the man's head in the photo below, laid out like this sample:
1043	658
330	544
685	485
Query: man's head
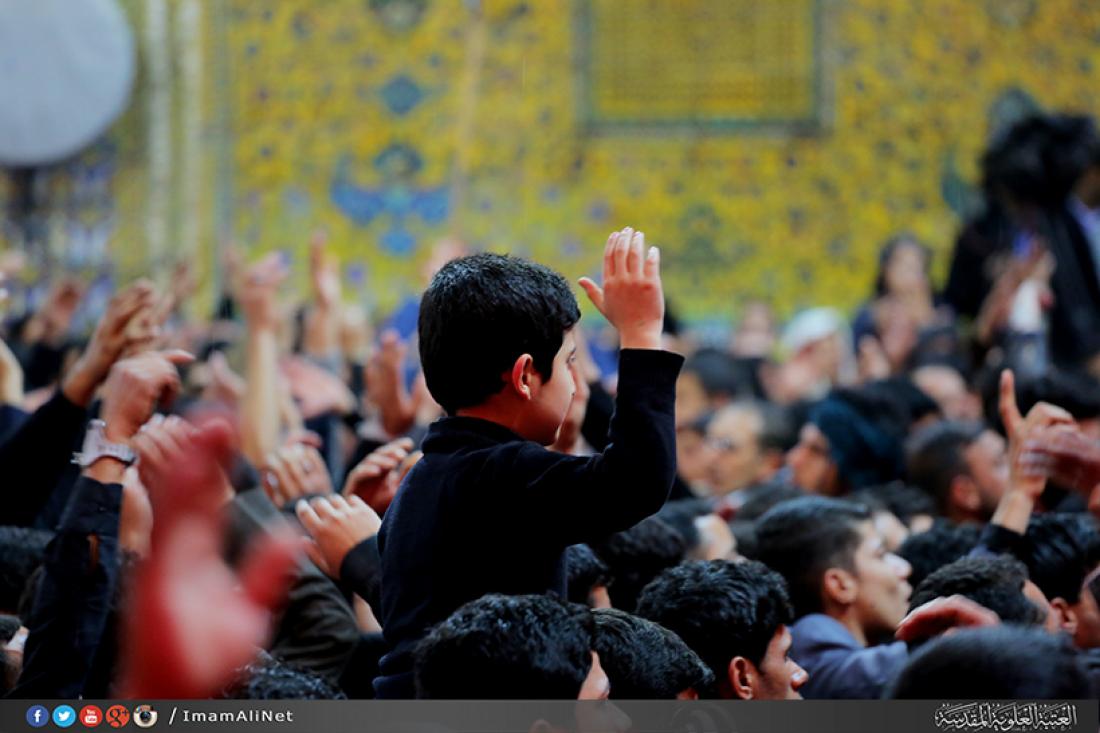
645	661
944	543
835	563
511	648
735	617
748	441
963	465
993	663
710	379
706	535
588	577
1061	551
494	327
636	556
997	582
944	384
851	440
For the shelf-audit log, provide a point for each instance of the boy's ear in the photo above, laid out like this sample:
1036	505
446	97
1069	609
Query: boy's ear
523	373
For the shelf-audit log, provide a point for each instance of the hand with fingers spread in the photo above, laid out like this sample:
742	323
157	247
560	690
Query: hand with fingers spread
376	478
294	472
335	525
385	378
631	298
114	336
192	621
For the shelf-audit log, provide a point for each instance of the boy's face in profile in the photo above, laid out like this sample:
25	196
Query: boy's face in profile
550	400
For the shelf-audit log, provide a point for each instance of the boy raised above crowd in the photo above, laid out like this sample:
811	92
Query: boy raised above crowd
489	509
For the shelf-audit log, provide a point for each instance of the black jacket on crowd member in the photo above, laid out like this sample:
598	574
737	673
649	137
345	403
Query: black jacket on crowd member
35	456
486	511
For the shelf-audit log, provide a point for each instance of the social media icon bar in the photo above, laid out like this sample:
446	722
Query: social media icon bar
37	716
64	716
90	716
145	716
117	716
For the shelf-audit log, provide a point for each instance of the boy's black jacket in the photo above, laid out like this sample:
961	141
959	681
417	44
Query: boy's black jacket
486	511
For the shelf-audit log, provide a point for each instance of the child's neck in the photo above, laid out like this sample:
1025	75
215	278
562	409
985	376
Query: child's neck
494	413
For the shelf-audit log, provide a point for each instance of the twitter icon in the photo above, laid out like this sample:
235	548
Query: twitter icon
63	716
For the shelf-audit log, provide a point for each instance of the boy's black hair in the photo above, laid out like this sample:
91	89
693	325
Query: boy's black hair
507	648
903	501
1061	550
720	609
584	571
934	457
993	663
482	312
636	556
944	543
22	550
993	581
645	661
802	538
270	679
865	428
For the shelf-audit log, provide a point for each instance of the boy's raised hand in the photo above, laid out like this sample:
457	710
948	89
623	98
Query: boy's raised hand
631	298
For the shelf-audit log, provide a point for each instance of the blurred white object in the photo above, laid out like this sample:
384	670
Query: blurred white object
1026	315
66	72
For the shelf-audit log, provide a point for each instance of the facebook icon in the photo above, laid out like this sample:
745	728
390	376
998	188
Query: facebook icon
38	716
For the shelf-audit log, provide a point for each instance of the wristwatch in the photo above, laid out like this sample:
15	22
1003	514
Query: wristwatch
97	446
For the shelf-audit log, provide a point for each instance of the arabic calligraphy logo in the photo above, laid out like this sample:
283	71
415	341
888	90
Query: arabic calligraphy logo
1005	717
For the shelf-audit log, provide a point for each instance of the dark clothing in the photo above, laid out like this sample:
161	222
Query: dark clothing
34	457
1075	318
361	571
316	630
838	666
71	609
486	511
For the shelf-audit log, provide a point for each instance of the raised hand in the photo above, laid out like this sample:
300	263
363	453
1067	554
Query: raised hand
376	478
324	274
1019	429
116	335
385	380
335	526
136	386
192	621
293	472
258	291
631	298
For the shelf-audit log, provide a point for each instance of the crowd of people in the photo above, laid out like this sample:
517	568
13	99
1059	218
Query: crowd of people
273	503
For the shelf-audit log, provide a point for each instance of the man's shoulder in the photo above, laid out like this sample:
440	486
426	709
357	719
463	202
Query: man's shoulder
816	630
